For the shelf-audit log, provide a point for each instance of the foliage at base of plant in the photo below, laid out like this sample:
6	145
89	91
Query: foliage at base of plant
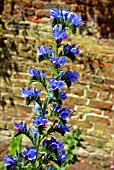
49	117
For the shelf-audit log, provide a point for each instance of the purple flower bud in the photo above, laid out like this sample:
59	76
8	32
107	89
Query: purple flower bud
34	132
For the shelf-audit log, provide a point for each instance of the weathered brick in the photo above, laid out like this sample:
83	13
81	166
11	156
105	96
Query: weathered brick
100	104
109	113
42	12
91	94
99	87
99	126
77	91
109	82
79	123
93	141
76	100
100	134
103	96
38	4
87	109
98	119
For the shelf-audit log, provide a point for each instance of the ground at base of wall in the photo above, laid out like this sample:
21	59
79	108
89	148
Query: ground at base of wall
82	164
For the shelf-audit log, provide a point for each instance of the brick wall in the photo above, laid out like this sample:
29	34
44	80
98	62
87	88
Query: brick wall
24	24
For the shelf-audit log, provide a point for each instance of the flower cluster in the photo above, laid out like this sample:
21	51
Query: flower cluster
64	14
29	152
45	150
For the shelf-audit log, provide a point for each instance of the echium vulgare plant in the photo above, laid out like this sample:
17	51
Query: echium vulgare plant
46	150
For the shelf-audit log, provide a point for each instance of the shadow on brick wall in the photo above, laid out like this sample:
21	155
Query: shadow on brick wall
99	17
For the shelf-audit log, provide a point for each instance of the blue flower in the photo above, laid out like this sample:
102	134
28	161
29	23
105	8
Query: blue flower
43	74
34	132
62	156
64	13
30	92
58	33
42	50
64	113
71	49
54	143
37	107
40	120
20	126
56	107
34	72
74	18
72	76
62	95
58	61
9	160
29	152
55	13
50	168
65	128
55	84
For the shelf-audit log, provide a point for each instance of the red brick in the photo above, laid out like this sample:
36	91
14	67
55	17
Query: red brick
109	82
81	124
76	100
98	119
100	104
99	87
91	94
87	109
38	4
99	126
109	113
111	129
77	91
103	96
42	12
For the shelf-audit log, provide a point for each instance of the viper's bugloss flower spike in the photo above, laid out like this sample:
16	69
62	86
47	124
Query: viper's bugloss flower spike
65	128
40	120
9	160
56	84
30	92
58	33
71	75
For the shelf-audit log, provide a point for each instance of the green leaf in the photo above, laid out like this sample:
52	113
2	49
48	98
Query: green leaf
1	164
15	144
54	70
